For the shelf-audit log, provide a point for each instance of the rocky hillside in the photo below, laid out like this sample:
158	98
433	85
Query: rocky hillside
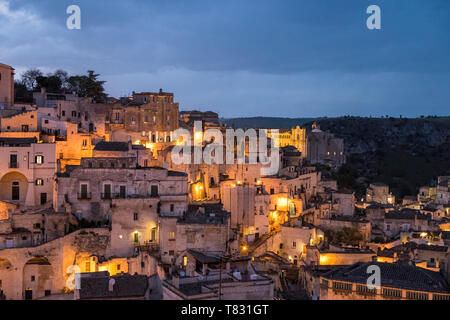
404	153
372	134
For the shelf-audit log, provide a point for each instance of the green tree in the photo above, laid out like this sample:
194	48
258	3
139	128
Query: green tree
88	86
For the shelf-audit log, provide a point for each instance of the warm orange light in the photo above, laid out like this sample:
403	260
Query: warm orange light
282	204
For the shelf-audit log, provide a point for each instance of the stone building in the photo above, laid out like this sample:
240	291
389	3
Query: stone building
406	220
443	190
344	201
27	170
6	86
146	116
295	137
399	281
324	147
87	190
202	227
214	277
379	192
23	121
337	256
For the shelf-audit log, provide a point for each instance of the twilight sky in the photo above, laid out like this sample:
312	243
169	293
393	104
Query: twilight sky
287	58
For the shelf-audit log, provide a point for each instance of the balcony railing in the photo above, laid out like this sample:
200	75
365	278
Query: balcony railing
106	196
84	196
14	165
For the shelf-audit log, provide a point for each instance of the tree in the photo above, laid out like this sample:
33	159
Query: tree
21	93
29	78
64	77
51	83
88	86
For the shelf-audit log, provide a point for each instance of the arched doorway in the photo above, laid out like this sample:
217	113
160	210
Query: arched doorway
6	279
13	187
37	278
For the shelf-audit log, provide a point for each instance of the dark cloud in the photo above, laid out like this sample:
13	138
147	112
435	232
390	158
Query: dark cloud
281	53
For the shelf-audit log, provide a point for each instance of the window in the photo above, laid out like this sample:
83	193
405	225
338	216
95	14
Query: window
43	198
171	207
392	293
364	290
61	156
25	128
107	191
39	182
118	267
33	278
63	113
84	142
154	191
13	161
84	191
123	192
416	295
185	261
172	235
342	286
74	113
294	244
135	216
87	266
39	159
435	296
171	253
190	236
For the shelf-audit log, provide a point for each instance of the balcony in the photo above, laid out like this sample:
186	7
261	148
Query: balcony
148	246
106	196
13	165
84	196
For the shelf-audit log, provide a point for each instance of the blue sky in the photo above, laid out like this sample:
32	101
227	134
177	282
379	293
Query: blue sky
289	58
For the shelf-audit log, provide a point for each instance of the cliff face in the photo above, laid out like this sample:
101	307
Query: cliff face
403	153
363	135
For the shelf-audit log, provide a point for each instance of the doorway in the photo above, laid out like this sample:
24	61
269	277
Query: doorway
28	294
15	191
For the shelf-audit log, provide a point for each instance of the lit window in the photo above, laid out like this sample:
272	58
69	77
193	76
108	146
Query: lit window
39	160
39	182
172	235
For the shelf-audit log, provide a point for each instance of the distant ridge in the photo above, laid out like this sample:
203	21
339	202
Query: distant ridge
267	122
